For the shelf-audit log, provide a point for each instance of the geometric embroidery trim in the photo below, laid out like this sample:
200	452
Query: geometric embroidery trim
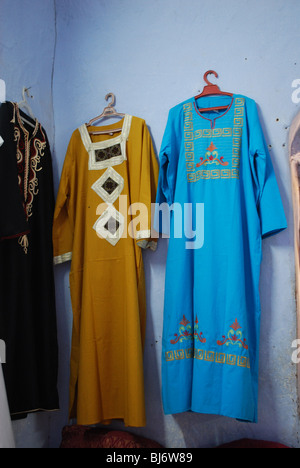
106	153
110	225
96	165
238	123
213	133
186	332
109	186
190	135
213	174
208	356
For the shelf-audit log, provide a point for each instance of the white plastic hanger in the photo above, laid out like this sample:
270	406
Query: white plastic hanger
25	105
2	91
108	111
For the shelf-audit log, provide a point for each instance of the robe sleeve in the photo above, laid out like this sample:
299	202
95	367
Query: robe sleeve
168	160
268	199
144	192
63	224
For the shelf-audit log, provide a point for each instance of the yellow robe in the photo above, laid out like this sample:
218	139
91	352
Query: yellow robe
104	179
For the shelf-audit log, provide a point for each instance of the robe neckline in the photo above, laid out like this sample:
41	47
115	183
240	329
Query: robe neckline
124	122
92	148
213	121
22	126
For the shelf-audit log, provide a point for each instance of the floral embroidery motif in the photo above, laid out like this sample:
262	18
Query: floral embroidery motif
28	165
198	336
210	167
186	332
234	337
212	157
33	182
30	150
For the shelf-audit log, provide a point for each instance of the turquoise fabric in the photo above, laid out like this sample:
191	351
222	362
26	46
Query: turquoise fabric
219	164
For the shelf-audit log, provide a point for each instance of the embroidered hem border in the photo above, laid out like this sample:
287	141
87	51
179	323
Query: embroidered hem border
209	356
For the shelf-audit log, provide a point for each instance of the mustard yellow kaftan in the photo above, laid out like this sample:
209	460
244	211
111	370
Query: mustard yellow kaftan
104	179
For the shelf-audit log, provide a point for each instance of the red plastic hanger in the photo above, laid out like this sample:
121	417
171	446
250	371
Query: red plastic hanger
212	89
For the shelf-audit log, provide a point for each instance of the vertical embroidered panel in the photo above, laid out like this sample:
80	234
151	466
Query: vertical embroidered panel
30	150
238	122
191	137
188	137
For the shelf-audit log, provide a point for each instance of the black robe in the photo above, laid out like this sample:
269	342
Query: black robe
27	294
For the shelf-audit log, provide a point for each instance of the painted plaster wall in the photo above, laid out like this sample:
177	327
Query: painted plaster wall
27	41
152	55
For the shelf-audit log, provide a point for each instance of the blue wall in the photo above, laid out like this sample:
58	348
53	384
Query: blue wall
152	55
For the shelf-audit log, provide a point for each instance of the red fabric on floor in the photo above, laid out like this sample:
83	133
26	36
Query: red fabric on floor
252	443
93	437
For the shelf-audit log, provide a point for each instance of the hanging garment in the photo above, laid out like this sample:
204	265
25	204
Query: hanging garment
27	298
6	432
103	175
212	306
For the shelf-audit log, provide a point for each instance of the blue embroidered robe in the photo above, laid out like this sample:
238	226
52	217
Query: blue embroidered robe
219	161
